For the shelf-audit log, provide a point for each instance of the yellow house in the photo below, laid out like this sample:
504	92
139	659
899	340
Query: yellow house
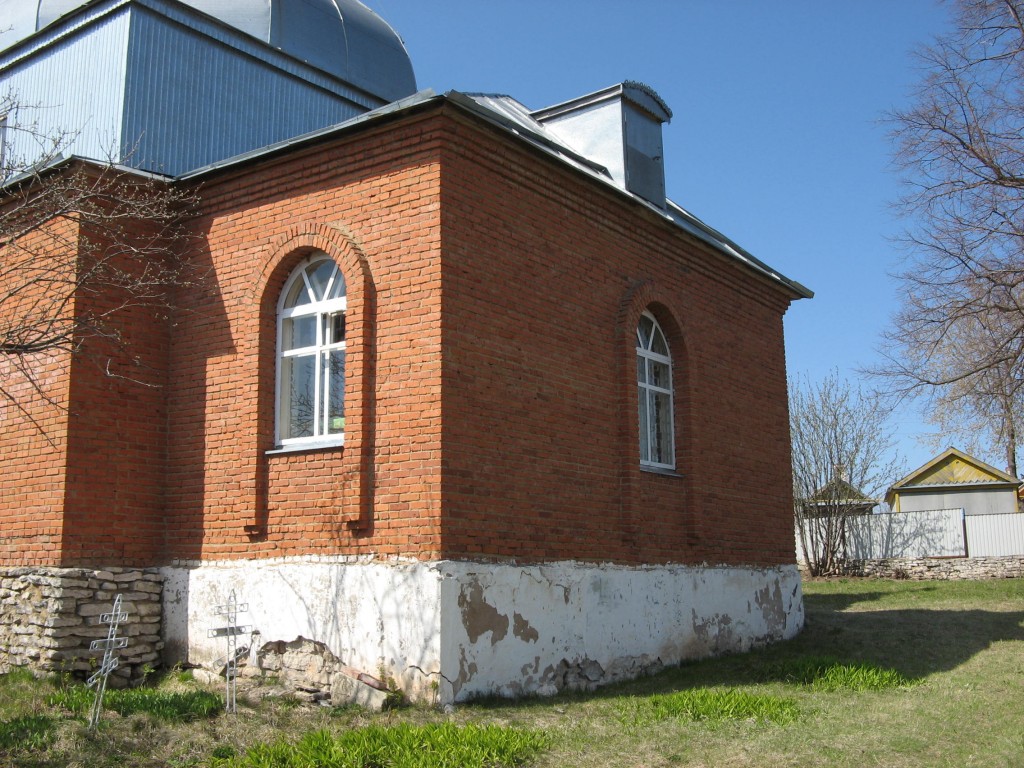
955	480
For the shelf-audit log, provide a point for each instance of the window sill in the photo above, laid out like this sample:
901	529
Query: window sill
326	445
660	471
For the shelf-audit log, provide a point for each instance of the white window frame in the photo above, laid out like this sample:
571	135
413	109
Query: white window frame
323	310
647	409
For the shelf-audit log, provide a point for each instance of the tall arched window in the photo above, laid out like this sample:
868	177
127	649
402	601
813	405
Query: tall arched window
311	354
654	392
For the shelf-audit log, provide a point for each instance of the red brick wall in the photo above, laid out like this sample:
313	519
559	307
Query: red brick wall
113	508
372	203
545	277
33	447
83	452
490	391
33	414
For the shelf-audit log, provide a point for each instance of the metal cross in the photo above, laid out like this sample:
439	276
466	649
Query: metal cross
230	632
111	644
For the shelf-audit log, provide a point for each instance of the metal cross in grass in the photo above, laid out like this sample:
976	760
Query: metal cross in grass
109	645
230	632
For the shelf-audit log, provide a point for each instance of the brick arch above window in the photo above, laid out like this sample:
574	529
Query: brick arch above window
280	259
645	296
296	243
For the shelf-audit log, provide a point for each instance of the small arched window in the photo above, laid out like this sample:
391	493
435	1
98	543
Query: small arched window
654	392
311	354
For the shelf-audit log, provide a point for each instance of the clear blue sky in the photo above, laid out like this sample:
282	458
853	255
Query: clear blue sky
776	138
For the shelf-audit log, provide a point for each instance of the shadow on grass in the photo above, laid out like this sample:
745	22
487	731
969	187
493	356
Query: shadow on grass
840	601
917	643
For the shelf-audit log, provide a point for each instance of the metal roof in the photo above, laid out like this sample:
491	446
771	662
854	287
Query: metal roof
511	116
953	470
341	37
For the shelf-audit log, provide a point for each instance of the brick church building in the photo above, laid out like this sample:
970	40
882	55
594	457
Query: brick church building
461	395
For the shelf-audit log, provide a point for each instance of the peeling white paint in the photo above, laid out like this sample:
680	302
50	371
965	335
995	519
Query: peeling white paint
575	619
476	628
370	614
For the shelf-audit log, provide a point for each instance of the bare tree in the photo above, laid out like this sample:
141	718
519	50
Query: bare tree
842	462
81	244
977	409
958	339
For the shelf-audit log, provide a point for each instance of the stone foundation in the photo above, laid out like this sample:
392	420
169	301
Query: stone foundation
450	631
924	568
311	671
49	616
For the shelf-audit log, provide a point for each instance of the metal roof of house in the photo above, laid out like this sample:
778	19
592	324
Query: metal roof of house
955	470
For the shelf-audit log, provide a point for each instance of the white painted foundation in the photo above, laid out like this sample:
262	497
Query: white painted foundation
448	630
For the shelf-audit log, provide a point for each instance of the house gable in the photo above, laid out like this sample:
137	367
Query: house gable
954	467
955	479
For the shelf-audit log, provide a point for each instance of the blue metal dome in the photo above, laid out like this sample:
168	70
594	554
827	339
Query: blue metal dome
342	37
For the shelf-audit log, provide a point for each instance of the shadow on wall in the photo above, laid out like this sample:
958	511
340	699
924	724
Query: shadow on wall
937	533
349	611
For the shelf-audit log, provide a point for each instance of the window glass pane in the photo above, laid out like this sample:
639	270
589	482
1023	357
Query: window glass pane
298	399
334	374
644	437
658	343
319	274
644	331
334	328
338	286
298	332
659	374
311	355
662	423
297	294
654	373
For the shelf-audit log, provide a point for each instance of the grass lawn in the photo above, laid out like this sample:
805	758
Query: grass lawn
886	673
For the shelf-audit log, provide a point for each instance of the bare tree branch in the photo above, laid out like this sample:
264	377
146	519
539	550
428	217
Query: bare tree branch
81	245
957	341
841	464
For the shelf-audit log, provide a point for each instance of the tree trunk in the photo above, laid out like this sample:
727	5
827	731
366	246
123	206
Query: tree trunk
1011	449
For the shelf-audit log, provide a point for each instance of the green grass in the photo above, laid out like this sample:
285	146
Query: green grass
825	673
398	746
167	705
706	704
886	673
27	733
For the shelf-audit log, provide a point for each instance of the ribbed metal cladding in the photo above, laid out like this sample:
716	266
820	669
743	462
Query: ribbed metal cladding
340	37
190	101
75	87
157	86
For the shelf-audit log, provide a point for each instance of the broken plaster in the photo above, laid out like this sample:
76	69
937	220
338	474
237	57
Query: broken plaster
480	617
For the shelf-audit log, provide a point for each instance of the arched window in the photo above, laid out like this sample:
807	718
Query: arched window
654	392
311	355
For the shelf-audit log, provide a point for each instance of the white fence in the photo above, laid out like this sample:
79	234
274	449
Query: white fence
939	533
995	535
